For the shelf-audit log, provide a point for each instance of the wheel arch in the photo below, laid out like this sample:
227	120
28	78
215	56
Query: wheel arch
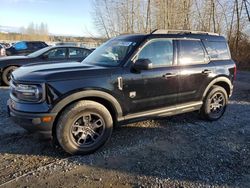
220	81
101	97
14	65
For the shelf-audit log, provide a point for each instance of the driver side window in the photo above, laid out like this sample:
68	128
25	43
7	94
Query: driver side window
159	52
58	53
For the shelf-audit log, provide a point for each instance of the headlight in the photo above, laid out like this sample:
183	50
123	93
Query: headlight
29	93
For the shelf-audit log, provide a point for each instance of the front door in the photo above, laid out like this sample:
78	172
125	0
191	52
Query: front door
154	88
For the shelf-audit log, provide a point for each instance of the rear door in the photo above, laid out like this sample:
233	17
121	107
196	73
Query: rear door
196	70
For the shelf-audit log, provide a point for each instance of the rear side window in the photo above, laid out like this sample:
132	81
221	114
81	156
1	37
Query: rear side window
78	52
159	52
191	52
36	45
217	50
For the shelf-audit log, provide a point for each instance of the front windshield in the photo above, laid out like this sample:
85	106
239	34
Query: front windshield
111	53
39	52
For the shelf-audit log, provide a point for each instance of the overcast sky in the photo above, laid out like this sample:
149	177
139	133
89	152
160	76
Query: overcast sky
64	17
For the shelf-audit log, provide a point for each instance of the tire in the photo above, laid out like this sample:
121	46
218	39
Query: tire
6	74
214	104
74	130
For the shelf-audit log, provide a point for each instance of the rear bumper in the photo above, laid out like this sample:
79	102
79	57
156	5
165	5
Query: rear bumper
32	122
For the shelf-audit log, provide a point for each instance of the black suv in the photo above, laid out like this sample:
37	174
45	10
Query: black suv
129	78
25	47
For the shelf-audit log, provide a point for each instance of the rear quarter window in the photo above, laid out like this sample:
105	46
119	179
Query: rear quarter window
217	50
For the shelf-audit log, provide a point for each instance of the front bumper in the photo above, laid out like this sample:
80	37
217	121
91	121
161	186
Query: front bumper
32	122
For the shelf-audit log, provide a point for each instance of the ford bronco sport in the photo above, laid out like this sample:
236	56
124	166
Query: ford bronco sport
129	78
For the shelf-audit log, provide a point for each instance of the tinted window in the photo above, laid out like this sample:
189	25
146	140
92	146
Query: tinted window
58	53
35	45
217	50
191	52
20	46
160	53
78	52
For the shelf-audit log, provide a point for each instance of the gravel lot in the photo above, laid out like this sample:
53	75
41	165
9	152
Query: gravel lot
179	151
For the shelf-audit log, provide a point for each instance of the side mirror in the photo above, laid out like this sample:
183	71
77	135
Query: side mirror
143	64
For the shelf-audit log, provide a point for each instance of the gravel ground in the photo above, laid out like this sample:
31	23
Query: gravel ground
179	151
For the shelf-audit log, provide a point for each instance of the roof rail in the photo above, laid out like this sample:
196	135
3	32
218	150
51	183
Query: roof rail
161	31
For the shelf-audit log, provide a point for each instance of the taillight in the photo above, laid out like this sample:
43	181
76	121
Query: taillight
235	71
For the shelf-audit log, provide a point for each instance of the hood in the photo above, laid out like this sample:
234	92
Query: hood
6	58
57	71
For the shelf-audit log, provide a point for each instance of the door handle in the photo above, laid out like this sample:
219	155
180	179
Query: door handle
169	75
206	71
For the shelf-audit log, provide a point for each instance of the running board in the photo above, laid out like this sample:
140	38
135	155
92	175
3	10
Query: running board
169	111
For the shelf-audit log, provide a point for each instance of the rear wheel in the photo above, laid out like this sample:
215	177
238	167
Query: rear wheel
214	104
84	127
6	76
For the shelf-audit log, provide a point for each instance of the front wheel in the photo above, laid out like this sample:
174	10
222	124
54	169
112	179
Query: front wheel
214	104
84	127
6	76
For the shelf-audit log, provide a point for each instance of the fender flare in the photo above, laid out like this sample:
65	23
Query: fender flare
89	93
213	82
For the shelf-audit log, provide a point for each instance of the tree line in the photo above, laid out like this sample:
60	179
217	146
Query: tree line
31	32
229	18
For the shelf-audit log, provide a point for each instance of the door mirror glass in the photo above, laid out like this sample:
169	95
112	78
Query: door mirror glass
143	64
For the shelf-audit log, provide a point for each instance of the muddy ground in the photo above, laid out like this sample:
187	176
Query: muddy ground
179	151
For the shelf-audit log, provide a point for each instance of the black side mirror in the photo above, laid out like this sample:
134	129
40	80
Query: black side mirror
143	64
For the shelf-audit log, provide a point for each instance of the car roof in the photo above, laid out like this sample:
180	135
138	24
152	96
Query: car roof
68	46
29	41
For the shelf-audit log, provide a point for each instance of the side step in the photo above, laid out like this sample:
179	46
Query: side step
169	111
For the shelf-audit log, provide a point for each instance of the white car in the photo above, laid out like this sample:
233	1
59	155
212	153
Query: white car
2	50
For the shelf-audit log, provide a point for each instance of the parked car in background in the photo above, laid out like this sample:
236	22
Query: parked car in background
2	51
46	55
66	43
5	44
25	47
